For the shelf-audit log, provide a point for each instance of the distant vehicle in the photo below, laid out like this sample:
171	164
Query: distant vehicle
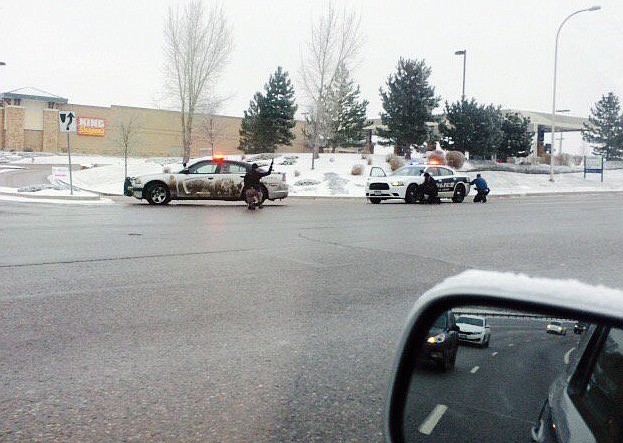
405	184
474	329
213	179
442	344
579	327
556	327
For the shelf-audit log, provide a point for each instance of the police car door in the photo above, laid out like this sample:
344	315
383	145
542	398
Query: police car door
231	180
446	181
199	182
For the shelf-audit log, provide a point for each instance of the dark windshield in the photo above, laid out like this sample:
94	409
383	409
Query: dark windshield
471	321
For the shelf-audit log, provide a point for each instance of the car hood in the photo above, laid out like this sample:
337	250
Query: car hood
160	176
470	328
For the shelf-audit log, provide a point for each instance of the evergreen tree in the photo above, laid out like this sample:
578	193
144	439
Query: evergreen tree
605	130
252	127
408	103
347	112
516	140
472	127
269	120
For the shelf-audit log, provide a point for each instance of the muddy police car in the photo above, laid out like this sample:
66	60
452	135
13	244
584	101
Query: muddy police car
213	179
405	183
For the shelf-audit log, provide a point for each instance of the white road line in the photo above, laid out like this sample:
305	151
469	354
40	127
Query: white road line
568	355
495	353
433	418
511	344
474	369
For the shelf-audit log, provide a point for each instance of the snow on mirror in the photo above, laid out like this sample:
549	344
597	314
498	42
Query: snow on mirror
485	374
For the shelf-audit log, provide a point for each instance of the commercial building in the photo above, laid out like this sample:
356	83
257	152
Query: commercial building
29	120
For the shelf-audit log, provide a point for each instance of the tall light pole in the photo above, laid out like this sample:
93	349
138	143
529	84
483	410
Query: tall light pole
561	111
551	158
463	52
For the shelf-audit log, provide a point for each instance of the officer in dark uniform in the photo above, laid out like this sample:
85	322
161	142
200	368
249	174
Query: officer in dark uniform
482	190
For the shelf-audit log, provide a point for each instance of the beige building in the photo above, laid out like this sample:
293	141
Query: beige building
30	123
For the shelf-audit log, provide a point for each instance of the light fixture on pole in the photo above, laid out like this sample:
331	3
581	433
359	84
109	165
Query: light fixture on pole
464	54
551	160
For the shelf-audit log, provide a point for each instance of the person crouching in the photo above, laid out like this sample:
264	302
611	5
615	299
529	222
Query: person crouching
482	190
430	189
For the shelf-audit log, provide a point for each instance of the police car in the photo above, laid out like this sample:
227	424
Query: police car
212	179
405	183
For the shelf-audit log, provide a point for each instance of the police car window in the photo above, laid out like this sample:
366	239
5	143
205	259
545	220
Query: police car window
405	170
231	168
445	171
433	171
603	396
204	168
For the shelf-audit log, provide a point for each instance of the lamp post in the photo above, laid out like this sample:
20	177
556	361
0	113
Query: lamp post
561	111
463	52
551	159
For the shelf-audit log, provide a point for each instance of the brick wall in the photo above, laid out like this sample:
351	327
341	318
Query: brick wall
14	137
50	130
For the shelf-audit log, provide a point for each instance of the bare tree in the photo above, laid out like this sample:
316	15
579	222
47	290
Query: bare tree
127	136
335	40
198	44
212	129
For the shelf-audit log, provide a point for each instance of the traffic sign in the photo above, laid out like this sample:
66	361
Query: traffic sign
67	121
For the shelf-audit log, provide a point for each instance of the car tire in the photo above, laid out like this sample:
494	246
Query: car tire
411	195
375	200
158	194
459	194
486	343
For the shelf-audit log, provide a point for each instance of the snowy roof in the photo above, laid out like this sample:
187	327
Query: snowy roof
30	93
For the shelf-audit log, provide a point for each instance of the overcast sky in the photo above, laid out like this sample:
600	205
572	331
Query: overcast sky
109	52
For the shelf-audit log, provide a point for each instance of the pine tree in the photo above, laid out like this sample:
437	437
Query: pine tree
251	127
408	104
472	127
347	112
516	140
269	120
605	128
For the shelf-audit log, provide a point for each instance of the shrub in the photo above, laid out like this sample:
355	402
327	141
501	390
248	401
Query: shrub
332	159
440	156
357	170
455	159
389	157
369	161
396	162
297	173
563	160
364	156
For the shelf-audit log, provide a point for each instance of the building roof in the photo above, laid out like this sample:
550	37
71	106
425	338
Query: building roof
564	123
30	93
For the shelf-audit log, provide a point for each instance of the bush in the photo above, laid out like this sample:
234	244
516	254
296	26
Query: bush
297	173
357	170
364	156
440	156
388	157
563	160
455	159
369	161
396	162
332	159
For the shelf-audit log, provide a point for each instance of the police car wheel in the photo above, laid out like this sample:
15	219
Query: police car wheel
375	200
158	194
459	194
411	196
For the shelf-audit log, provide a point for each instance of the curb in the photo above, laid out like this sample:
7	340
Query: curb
50	197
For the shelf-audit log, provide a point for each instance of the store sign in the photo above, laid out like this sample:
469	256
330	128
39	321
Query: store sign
91	126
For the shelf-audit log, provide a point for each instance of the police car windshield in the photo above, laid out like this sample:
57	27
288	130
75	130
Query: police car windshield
409	171
470	321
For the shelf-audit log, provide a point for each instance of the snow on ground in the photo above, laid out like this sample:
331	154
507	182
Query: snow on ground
331	176
43	194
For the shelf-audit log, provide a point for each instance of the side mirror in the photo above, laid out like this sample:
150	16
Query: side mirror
185	171
377	172
442	389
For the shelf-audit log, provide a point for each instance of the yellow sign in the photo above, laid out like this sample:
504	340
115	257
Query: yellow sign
91	126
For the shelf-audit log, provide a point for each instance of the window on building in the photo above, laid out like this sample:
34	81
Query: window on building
17	101
51	105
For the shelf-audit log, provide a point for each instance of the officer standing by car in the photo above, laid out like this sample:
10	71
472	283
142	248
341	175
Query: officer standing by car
481	188
252	189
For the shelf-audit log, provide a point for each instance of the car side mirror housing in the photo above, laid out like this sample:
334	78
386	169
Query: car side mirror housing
420	405
377	172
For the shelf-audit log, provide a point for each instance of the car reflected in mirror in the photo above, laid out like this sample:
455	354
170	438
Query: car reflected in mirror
505	369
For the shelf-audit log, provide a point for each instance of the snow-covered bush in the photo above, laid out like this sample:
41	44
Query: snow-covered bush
307	182
297	173
455	159
396	162
332	159
357	170
369	161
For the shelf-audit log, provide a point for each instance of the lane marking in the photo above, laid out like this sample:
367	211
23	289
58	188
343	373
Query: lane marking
474	369
568	355
511	344
431	421
495	353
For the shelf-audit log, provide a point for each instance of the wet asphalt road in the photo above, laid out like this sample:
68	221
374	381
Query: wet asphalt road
207	322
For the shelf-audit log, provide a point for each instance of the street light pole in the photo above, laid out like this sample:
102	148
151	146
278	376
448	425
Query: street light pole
2	139
551	158
464	54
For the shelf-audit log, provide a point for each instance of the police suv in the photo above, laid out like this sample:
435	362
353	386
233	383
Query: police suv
405	183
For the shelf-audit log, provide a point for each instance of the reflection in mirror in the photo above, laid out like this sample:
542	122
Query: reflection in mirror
377	172
483	374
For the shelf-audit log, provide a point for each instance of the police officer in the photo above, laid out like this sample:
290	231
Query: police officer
481	188
252	187
430	189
